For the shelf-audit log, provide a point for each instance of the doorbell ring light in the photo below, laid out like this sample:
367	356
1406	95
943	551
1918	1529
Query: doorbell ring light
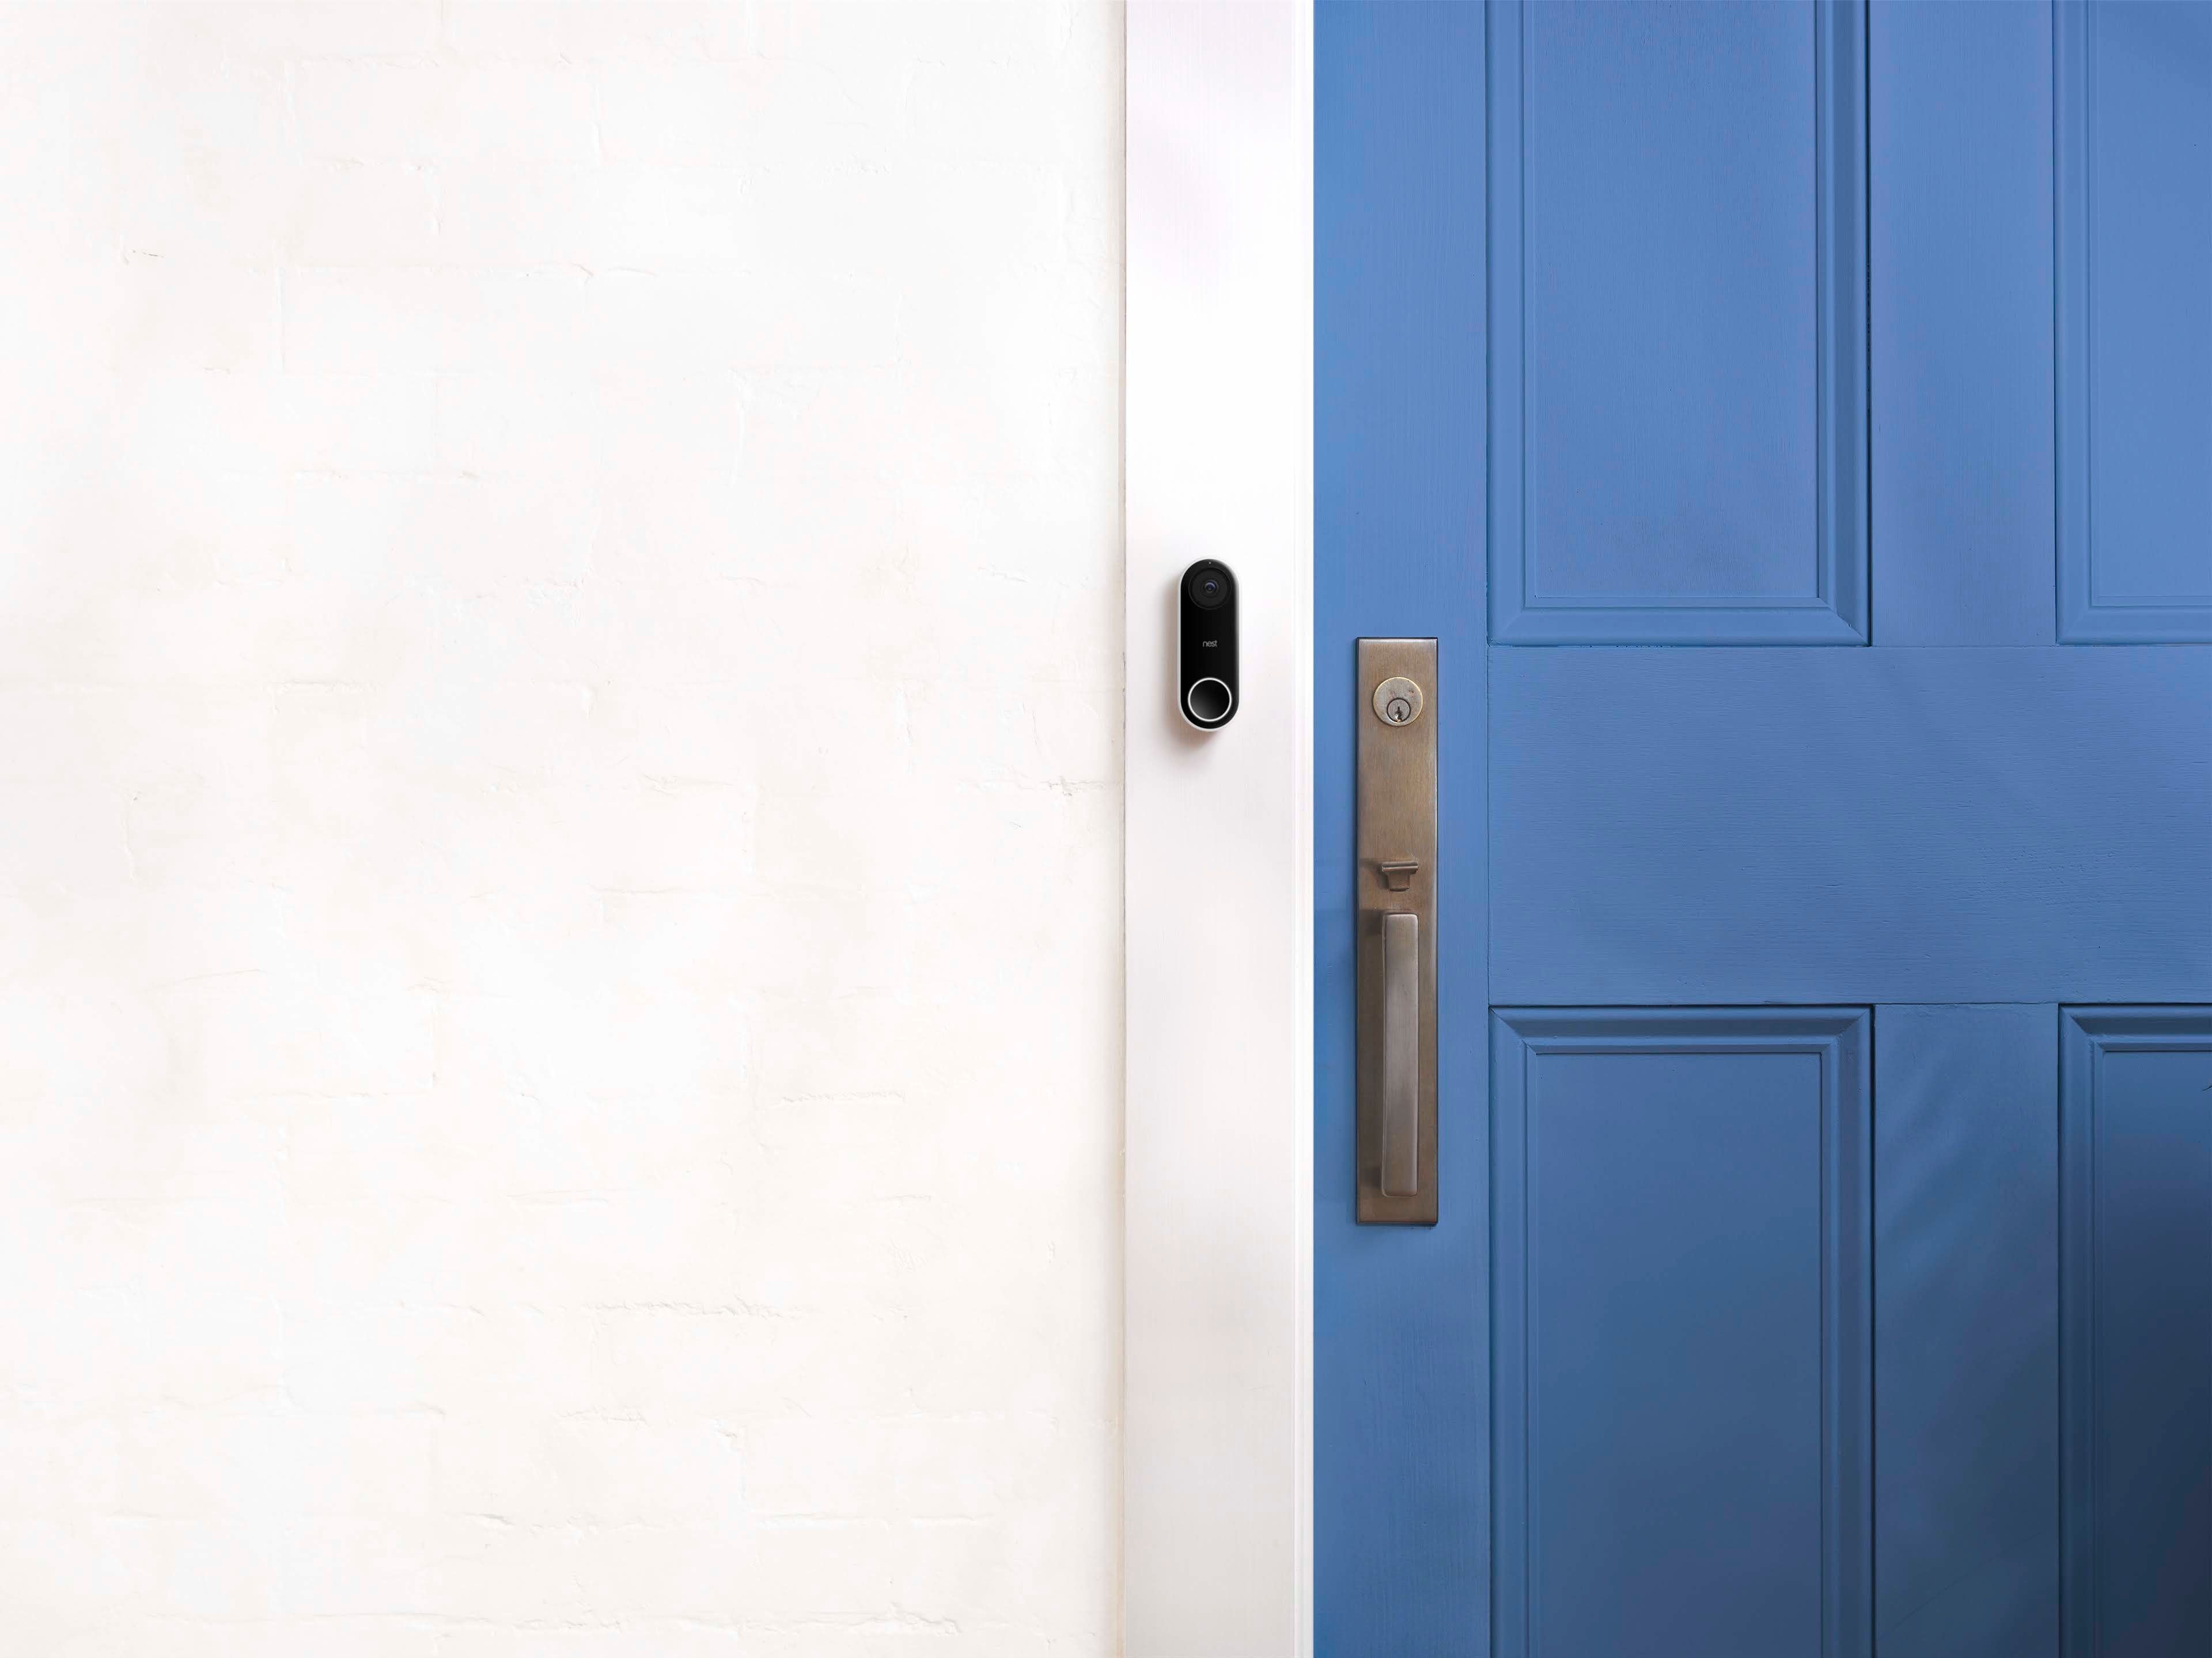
1206	688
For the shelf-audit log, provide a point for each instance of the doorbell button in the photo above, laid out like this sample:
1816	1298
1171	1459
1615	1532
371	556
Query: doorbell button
1397	701
1209	701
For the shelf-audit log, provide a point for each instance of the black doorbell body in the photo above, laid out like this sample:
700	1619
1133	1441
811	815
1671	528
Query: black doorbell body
1207	691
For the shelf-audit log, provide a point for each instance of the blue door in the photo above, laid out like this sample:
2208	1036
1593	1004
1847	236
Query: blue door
1793	423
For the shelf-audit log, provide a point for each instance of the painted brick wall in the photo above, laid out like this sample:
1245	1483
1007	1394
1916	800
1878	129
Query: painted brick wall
560	682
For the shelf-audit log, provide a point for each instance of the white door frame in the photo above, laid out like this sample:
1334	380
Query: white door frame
1217	1486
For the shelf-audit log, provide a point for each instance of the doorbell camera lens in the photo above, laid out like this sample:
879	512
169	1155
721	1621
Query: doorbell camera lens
1206	688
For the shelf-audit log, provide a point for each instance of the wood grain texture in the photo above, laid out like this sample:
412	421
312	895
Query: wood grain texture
2135	333
1678	303
1817	826
1683	1268
1959	241
2136	1330
1966	1150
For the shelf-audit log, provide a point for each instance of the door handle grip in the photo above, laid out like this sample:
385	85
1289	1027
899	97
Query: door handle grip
1402	1055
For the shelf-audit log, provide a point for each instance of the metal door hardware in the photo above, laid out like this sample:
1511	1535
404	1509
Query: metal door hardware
1397	943
1401	1056
1397	700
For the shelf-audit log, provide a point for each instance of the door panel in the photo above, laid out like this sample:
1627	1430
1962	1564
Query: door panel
1967	1332
1785	995
1878	825
2137	1331
1681	1272
1678	412
2135	238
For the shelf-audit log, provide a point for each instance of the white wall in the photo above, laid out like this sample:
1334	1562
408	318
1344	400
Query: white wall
560	830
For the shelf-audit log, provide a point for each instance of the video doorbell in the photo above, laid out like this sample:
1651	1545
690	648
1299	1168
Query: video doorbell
1207	691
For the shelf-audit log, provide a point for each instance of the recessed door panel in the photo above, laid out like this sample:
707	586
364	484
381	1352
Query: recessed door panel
1678	282
1681	1274
2136	1309
2135	240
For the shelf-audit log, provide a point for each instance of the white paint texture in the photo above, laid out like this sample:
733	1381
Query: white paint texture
560	694
1219	1167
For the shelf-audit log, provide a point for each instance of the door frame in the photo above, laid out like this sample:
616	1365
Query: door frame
1217	1553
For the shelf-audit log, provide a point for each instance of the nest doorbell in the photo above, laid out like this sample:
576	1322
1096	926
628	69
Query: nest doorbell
1206	690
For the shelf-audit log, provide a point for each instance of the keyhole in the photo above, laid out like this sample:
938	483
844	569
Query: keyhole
1397	700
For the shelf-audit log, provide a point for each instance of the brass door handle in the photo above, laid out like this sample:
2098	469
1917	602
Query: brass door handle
1395	886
